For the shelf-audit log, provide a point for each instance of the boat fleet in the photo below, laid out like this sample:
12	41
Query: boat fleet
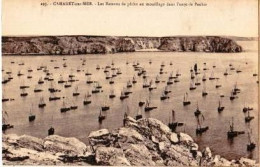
198	77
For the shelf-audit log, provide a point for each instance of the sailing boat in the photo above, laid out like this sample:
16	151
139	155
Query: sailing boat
67	84
105	107
197	81
73	107
220	107
5	124
98	67
89	81
76	93
37	89
88	73
129	84
19	73
192	86
111	81
164	96
200	129
40	81
217	84
123	95
53	97
204	77
212	76
112	94
101	117
197	112
118	71
23	94
173	124
248	118
145	84
185	100
231	133
238	70
64	107
42	104
147	105
192	75
134	80
31	116
51	131
169	82
232	96
157	80
151	86
86	100
251	145
139	114
204	92
61	80
166	90
226	73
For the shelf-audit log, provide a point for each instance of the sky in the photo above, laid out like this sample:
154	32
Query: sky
219	17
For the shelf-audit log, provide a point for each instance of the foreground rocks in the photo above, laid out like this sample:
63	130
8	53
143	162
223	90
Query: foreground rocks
73	45
146	142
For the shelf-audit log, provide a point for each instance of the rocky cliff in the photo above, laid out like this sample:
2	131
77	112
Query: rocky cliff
146	142
73	45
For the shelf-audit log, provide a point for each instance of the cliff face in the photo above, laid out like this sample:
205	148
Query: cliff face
139	143
72	45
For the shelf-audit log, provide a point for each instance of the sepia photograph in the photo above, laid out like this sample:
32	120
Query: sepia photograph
130	83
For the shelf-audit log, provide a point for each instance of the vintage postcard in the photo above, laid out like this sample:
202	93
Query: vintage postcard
130	82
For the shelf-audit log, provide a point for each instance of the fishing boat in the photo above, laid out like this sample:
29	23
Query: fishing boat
76	93
150	61
248	118
220	107
197	112
185	100
31	116
251	145
101	117
255	74
232	133
192	86
86	99
172	123
5	80
112	94
200	129
64	107
42	104
23	86
64	65
148	106
245	109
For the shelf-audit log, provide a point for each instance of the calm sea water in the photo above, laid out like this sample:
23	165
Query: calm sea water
79	123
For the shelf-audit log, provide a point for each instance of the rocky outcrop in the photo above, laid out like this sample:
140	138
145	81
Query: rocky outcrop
73	45
146	142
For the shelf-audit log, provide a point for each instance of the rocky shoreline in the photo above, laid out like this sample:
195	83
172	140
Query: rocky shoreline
146	142
74	45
